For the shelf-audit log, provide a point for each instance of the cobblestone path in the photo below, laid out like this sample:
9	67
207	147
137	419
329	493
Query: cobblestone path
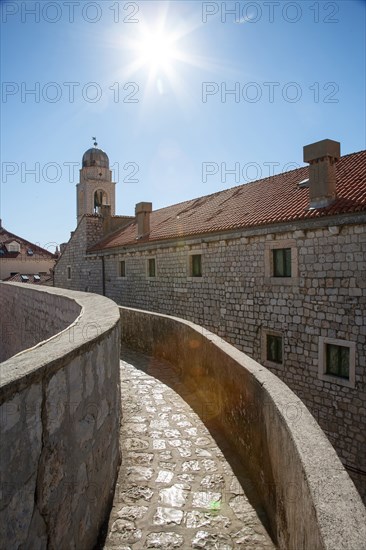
175	489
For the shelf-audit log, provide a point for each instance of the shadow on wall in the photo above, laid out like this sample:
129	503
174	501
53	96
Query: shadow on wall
308	497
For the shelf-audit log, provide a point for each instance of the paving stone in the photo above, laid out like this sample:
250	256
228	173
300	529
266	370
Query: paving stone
204	539
175	488
139	473
176	495
132	512
140	458
125	531
196	519
164	476
206	499
191	466
202	452
167	516
213	481
164	540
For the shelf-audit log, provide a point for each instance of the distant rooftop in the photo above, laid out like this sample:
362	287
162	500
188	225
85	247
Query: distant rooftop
9	248
31	278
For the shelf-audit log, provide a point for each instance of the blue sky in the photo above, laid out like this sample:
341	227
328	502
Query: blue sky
152	81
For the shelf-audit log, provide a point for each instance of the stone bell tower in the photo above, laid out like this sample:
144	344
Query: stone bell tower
96	187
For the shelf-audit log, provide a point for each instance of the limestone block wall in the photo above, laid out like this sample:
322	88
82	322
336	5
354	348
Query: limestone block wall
26	319
238	300
60	418
85	273
310	500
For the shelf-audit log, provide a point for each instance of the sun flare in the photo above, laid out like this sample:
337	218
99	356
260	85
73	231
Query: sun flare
157	49
160	51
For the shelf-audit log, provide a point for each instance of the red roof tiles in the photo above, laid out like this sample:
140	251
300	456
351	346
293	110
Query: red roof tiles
267	201
31	278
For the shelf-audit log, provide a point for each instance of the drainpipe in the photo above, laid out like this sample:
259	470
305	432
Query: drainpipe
103	275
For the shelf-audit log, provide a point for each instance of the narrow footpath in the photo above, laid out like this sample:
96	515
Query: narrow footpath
175	488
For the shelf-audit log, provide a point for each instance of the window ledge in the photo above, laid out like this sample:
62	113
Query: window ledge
336	380
271	364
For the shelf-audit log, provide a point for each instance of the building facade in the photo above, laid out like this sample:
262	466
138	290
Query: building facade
21	258
276	267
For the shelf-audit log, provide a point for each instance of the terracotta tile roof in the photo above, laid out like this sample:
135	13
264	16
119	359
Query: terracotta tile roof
32	278
267	201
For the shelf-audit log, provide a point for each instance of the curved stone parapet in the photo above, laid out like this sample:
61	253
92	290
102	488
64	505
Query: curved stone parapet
309	498
59	415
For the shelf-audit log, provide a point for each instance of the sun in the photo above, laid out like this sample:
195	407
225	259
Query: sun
157	49
160	51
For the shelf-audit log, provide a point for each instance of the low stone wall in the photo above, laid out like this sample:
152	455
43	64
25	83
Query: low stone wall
309	498
26	320
60	418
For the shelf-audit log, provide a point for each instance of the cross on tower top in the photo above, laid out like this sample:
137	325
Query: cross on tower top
95	141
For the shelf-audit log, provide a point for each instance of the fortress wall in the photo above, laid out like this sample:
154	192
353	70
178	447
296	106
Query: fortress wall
309	498
60	419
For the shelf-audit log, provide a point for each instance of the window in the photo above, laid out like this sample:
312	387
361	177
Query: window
122	268
151	267
274	348
69	272
196	265
281	262
337	361
14	246
272	354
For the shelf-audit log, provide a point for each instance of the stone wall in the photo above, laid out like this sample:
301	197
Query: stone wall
60	418
238	300
26	320
86	273
309	498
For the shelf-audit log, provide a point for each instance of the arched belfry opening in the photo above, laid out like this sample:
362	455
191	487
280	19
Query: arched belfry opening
96	188
100	199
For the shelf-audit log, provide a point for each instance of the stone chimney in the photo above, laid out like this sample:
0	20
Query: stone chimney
105	211
322	157
142	212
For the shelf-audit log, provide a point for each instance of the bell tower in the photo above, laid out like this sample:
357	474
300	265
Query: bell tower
96	187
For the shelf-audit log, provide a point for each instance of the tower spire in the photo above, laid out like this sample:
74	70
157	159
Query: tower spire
95	188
